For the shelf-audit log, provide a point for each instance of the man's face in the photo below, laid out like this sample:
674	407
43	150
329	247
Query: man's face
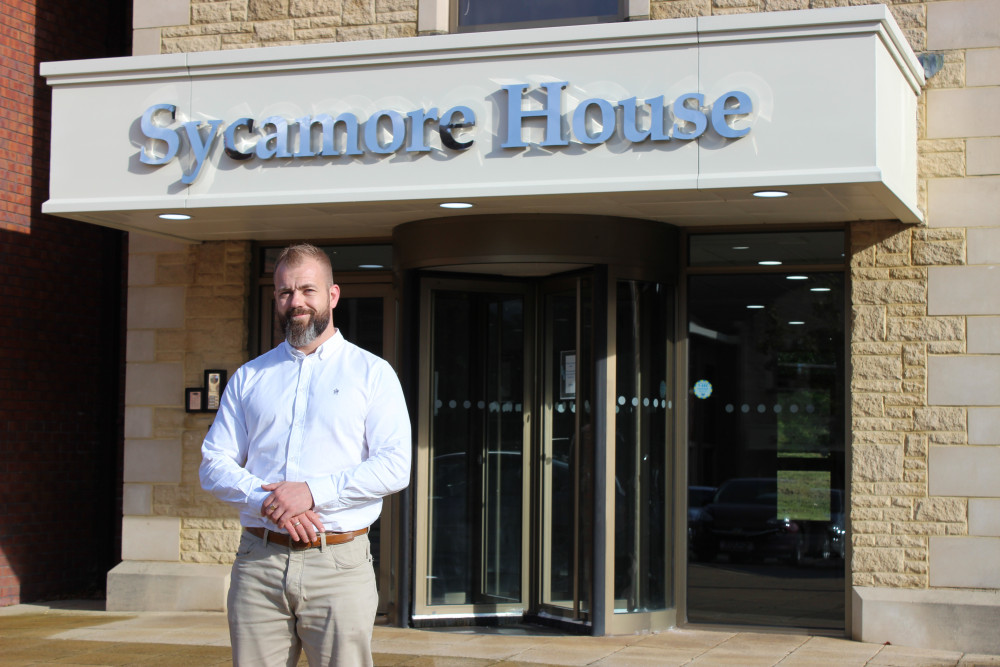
304	301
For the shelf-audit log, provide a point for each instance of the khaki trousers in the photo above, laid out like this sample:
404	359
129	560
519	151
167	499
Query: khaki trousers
284	600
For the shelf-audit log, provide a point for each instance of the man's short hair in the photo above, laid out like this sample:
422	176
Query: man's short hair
297	253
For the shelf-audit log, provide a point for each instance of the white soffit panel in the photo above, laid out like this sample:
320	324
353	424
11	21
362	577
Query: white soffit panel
830	98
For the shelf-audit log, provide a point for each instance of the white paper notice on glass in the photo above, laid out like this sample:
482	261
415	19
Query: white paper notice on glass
567	375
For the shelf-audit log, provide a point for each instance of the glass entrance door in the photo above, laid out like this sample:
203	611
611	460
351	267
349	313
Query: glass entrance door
504	526
476	460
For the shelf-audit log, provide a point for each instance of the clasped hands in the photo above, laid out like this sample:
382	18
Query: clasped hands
290	506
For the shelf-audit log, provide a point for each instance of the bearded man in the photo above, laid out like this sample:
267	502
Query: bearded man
308	439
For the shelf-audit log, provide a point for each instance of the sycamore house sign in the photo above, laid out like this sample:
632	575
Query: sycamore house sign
592	122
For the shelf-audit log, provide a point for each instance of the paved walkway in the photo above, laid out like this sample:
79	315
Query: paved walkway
76	633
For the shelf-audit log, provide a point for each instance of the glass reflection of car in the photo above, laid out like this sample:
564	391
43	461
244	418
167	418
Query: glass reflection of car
701	545
827	538
745	522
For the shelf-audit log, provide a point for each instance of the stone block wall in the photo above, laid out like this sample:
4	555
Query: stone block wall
181	26
188	312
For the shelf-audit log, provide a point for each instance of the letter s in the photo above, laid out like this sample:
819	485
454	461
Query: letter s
157	132
686	114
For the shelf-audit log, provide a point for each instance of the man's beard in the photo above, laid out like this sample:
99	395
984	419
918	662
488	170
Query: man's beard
300	334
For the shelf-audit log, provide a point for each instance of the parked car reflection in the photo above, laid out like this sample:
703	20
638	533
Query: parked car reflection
742	522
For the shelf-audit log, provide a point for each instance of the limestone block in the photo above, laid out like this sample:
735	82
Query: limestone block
907	309
925	329
218	541
395	5
915	445
964	470
876	292
138	422
954	620
152	461
878	463
918	528
862	348
984	246
950	347
191	44
316	34
140	346
932	234
939	254
266	31
939	419
914	355
952	510
153	384
947	438
137	499
892	580
969	202
983	155
390	18
150	538
877	368
141	269
142	586
984	335
266	10
680	9
155	307
938	165
361	33
157	13
400	30
358	12
984	426
984	517
210	12
963	25
963	380
877	560
300	8
965	562
869	405
146	42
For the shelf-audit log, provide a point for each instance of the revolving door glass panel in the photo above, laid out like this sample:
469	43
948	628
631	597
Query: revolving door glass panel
477	460
643	451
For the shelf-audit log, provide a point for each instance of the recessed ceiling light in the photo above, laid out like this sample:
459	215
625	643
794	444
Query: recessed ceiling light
796	277
819	289
370	266
796	322
770	194
769	262
175	216
741	247
455	204
754	307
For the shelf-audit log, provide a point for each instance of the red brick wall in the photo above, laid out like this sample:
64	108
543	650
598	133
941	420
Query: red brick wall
61	324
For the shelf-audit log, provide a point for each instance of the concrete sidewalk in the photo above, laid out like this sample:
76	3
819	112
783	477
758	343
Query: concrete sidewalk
79	633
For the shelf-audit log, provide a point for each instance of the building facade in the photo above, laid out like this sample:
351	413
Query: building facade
643	394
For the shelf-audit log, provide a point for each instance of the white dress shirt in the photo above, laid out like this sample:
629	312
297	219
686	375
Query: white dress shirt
335	419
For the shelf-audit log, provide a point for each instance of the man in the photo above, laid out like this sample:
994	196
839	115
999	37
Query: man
308	439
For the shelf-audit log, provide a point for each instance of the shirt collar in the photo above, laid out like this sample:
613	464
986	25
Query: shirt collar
328	348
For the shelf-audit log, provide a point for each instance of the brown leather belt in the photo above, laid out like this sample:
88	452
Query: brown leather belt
285	541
